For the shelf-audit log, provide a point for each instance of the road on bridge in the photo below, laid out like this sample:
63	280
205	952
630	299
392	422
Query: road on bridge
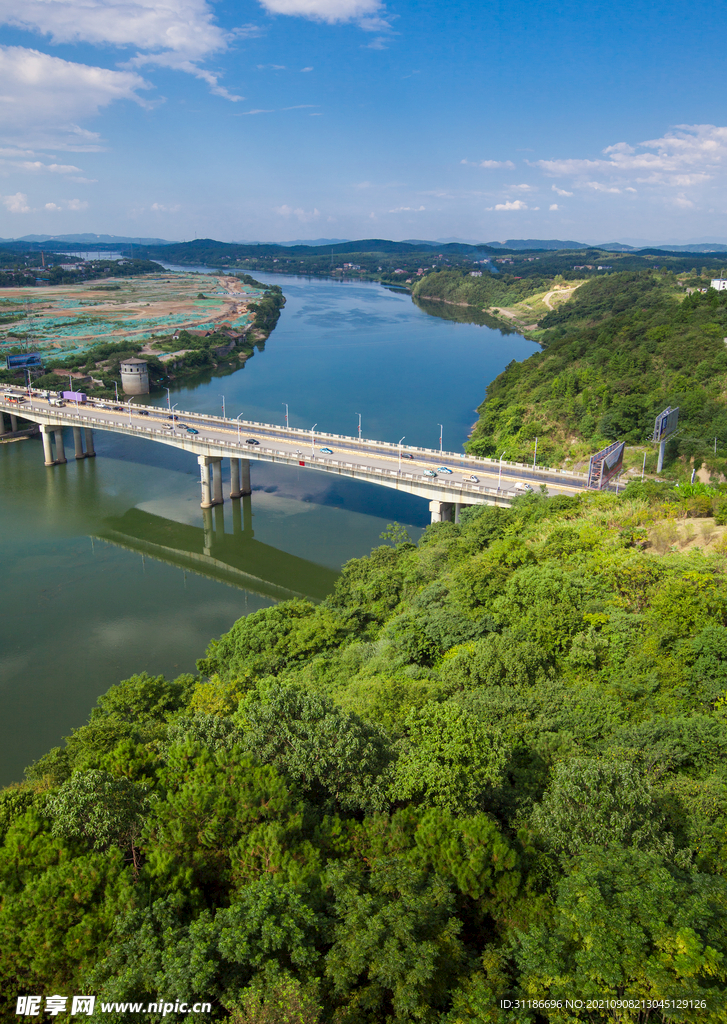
295	445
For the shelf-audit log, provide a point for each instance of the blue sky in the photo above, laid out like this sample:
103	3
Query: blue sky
283	119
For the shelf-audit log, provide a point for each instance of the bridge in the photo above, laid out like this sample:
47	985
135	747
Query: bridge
448	480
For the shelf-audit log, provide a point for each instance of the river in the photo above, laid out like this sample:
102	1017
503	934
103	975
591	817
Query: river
105	565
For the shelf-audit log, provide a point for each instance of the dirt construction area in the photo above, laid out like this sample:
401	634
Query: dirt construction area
68	319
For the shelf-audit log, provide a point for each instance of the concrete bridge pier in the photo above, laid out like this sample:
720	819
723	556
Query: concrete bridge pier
60	450
13	422
235	491
457	510
240	478
90	450
245	477
441	511
2	423
211	494
204	471
45	433
217	498
78	443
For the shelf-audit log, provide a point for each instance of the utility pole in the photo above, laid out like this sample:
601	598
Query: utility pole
535	456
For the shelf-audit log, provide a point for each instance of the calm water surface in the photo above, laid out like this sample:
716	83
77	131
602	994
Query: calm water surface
108	566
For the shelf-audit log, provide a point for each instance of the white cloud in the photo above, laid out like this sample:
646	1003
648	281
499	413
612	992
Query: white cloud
561	191
598	187
161	208
331	11
303	70
178	35
16	204
65	204
687	158
490	164
379	43
276	110
553	206
36	167
523	188
517	204
185	26
304	216
408	209
41	97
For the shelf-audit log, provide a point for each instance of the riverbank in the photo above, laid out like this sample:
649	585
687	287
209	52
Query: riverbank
181	323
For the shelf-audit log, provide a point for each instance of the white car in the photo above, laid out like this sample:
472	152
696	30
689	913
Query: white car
523	487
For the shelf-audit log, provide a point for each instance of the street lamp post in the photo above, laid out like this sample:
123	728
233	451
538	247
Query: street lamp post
239	439
359	425
499	475
117	390
441	434
172	411
400	440
286	414
535	456
223	406
129	405
169	397
311	438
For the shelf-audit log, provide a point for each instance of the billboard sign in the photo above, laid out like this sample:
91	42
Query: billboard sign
23	360
666	423
605	465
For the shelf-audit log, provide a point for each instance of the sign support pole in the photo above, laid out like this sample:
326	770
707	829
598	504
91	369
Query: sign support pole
662	446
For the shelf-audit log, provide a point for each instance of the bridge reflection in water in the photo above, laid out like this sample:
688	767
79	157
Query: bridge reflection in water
234	558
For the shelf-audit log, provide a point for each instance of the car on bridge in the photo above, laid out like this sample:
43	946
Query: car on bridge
472	478
523	487
191	430
327	451
251	440
407	455
429	472
443	469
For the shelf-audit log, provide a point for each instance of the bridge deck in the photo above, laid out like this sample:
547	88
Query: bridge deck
402	467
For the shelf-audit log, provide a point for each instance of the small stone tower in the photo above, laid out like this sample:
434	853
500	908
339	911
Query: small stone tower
135	377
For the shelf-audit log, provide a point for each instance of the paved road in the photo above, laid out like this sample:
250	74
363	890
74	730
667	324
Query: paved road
296	444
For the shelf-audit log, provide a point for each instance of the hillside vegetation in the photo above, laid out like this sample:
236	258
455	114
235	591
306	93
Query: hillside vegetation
490	766
622	349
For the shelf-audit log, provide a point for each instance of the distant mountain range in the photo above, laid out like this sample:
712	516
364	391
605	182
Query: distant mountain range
208	248
90	239
296	241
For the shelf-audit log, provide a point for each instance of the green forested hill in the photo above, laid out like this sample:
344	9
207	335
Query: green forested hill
621	350
489	767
